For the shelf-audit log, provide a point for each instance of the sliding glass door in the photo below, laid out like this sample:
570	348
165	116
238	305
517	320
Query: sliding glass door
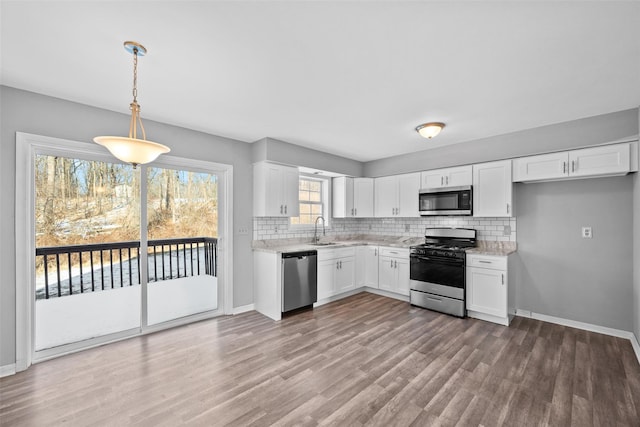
182	230
87	221
93	235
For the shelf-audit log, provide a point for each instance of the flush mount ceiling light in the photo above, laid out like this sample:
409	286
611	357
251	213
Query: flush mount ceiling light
133	150
429	130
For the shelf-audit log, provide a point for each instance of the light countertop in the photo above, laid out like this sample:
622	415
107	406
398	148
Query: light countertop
295	245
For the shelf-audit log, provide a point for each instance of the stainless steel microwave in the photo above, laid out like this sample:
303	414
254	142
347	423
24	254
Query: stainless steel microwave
446	201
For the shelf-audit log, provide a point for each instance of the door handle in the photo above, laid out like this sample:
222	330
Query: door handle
573	165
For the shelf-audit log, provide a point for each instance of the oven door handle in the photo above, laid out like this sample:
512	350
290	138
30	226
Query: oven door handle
438	260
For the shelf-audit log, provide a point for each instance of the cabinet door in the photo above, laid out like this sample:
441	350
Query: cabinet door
371	267
273	189
545	166
492	189
456	177
342	197
487	291
363	197
402	272
326	275
408	191
386	196
290	186
606	160
432	179
387	274
345	275
361	265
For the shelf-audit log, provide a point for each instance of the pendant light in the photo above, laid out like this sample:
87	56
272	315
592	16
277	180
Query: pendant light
133	150
429	130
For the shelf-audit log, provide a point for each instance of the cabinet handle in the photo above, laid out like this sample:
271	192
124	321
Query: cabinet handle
281	212
485	262
447	180
337	265
395	264
351	211
391	263
375	252
508	207
340	265
355	212
564	167
442	180
502	275
285	209
573	165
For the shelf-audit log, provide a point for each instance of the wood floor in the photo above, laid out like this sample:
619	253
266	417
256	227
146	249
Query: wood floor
364	360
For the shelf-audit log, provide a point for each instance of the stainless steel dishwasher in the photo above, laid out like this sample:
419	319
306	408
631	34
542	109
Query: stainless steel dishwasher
299	279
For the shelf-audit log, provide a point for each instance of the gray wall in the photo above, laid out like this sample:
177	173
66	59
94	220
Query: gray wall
562	274
576	133
636	252
32	113
273	150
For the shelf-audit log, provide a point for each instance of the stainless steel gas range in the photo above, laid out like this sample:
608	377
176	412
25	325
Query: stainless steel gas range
437	270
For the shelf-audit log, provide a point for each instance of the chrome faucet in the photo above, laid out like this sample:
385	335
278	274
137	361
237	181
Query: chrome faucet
315	231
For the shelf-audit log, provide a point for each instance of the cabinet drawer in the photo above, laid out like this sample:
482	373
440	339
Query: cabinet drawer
324	254
394	252
487	261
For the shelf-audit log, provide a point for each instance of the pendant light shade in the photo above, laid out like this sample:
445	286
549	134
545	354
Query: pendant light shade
131	149
429	130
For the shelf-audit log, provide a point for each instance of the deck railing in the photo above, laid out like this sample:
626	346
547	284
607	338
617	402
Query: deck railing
78	269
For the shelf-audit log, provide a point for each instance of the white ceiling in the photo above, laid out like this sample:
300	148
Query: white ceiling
349	78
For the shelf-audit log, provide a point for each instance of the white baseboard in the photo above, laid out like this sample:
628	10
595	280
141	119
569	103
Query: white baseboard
585	327
636	346
243	309
7	370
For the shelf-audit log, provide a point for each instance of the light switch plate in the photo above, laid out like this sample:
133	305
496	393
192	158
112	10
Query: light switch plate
587	233
243	230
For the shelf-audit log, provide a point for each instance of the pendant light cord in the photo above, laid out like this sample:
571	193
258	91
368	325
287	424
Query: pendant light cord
135	107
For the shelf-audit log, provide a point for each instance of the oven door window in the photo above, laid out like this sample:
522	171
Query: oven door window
441	271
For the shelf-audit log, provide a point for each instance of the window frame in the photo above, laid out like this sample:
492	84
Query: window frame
326	201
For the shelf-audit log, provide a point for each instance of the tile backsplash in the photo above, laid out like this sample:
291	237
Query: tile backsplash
489	229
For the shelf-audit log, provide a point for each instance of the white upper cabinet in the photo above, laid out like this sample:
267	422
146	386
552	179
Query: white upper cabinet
492	189
450	177
397	195
275	190
352	197
588	162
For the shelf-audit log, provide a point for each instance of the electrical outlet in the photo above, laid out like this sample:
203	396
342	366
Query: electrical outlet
275	229
507	230
243	230
370	227
587	233
406	228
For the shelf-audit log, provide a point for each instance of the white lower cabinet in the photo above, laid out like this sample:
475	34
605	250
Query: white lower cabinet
336	271
490	291
393	270
367	266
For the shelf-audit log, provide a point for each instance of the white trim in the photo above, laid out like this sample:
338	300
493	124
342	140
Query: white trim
504	321
7	370
575	324
27	146
636	346
244	309
387	294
